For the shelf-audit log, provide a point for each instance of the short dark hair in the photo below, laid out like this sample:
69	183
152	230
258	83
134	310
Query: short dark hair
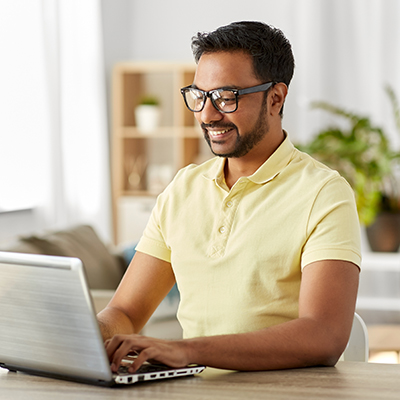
271	51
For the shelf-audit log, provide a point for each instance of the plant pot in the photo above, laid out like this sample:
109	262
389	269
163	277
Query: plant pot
384	234
147	118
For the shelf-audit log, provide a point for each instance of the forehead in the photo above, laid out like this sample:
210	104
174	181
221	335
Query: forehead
232	69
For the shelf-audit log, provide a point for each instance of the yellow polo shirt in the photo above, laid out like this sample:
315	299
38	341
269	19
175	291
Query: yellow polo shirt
238	254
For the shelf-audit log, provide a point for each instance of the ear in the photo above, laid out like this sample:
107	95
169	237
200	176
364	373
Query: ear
277	97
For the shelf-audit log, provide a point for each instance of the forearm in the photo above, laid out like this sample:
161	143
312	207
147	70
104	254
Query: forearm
298	343
318	337
112	321
144	285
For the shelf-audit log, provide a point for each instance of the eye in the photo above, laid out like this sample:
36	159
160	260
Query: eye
227	97
225	100
195	94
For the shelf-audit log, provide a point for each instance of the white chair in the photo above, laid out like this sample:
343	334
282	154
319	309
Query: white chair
357	348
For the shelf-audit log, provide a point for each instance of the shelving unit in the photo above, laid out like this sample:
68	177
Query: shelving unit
144	163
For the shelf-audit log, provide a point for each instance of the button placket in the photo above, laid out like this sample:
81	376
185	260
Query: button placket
223	226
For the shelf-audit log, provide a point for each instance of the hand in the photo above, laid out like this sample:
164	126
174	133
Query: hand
172	353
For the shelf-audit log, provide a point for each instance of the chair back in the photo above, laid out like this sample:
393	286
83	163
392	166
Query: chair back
357	348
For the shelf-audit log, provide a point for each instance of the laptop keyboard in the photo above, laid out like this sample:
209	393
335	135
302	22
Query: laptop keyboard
123	369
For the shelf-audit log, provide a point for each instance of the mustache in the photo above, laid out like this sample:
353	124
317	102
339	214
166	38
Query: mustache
217	126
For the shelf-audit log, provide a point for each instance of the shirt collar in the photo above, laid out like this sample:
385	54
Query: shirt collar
267	171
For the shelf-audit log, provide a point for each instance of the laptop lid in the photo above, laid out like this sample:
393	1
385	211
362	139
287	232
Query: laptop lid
47	322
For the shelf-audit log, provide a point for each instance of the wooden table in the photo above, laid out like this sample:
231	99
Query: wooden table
348	380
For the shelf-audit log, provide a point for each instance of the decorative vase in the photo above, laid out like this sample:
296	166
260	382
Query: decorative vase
384	234
147	118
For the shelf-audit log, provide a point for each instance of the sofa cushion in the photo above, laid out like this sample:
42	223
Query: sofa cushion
19	246
103	270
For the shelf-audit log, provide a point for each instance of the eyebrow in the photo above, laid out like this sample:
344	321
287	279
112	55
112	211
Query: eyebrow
219	88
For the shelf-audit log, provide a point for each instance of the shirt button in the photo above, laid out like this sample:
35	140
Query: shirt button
229	204
222	229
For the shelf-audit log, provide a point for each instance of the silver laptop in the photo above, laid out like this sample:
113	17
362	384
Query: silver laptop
48	326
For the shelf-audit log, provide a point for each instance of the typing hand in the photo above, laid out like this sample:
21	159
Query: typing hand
172	353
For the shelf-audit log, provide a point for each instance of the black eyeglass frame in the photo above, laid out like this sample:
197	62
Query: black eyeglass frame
237	92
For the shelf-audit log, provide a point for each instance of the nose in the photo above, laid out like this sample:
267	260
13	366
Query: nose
209	114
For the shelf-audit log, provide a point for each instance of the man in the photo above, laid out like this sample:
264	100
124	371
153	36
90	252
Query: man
262	240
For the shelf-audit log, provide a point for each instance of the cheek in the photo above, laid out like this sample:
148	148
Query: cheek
247	120
243	120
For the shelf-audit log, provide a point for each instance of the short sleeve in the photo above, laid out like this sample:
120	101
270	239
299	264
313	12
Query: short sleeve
333	229
152	241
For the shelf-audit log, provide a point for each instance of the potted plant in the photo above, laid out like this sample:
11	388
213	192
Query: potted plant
147	114
362	154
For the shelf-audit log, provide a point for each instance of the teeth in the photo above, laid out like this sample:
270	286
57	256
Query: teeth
216	133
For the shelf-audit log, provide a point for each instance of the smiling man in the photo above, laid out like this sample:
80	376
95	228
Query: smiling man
262	240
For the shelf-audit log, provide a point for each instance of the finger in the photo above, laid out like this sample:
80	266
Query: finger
112	345
145	355
117	357
116	349
127	346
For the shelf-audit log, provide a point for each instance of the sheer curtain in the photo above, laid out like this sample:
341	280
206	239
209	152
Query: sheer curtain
81	107
53	133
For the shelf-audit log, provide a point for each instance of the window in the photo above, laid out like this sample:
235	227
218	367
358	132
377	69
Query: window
23	109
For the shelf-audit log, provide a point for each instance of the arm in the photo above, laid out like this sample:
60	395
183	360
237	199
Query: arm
318	337
145	284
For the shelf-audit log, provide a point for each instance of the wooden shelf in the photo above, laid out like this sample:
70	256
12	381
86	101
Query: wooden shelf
144	163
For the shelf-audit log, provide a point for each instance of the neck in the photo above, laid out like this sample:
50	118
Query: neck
247	165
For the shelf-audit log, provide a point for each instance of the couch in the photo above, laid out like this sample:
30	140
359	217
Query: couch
104	266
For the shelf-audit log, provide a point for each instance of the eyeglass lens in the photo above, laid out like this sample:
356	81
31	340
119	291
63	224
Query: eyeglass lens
223	100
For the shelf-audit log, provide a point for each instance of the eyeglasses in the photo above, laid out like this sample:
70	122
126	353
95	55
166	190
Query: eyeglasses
224	100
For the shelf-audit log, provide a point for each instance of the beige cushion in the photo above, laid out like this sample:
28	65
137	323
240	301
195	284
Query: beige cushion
19	246
103	270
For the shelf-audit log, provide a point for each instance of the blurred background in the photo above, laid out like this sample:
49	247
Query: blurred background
55	74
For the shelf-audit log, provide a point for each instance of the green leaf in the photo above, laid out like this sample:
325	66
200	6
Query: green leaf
361	154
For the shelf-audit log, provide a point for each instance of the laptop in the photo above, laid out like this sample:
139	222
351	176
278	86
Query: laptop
48	325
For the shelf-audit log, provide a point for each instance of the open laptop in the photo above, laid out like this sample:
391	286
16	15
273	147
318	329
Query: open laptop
48	326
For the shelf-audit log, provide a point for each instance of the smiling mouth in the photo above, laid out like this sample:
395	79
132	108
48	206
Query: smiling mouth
216	134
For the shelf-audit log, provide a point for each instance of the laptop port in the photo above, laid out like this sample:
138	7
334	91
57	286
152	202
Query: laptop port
153	376
161	375
140	378
170	374
129	379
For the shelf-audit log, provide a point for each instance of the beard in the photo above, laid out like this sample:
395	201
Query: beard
244	143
